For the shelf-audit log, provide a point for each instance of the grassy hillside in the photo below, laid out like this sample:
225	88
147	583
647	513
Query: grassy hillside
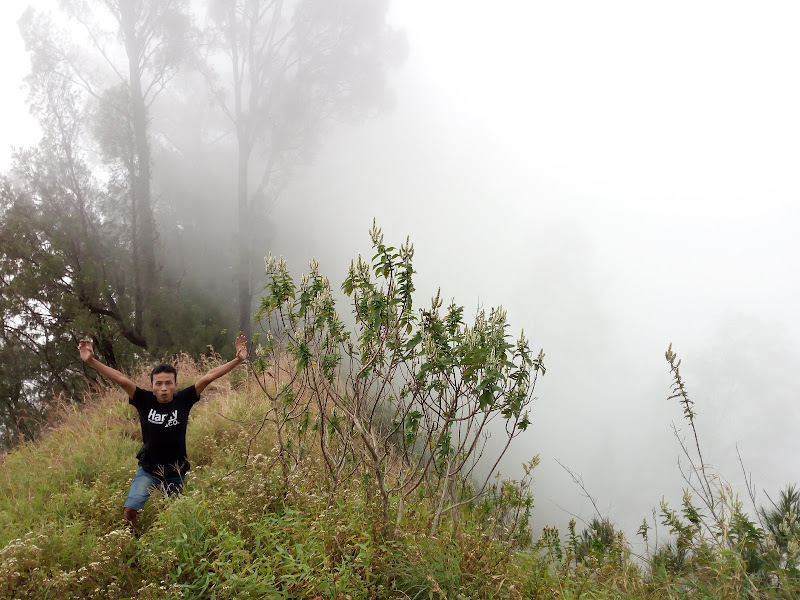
235	533
241	531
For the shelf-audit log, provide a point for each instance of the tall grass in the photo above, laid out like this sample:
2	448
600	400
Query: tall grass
241	531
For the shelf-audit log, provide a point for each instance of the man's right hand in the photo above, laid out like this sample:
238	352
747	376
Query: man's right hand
87	355
86	349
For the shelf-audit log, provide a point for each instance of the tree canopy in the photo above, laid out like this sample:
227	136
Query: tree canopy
167	135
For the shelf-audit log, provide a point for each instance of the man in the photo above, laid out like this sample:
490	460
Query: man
163	414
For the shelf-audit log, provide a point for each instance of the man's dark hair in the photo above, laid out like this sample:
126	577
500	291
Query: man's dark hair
163	368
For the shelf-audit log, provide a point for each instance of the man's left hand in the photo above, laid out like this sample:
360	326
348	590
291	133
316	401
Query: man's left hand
241	348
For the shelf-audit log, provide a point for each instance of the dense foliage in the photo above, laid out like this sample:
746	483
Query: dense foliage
169	129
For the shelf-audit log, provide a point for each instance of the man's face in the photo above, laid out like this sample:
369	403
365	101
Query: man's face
163	386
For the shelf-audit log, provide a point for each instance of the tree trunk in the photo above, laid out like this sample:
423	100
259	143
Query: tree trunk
243	270
144	259
437	516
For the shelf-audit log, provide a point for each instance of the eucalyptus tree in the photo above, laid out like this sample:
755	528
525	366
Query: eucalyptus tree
283	71
132	49
62	269
77	235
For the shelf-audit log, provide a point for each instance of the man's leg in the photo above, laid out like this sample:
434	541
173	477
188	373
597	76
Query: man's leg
174	485
141	486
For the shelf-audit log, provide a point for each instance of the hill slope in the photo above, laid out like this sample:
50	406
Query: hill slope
236	532
241	531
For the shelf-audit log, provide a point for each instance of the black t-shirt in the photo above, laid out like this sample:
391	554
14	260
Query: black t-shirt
164	431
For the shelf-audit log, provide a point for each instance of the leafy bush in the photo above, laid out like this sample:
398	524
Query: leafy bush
405	401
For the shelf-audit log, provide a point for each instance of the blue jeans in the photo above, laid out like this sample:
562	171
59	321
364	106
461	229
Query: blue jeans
144	483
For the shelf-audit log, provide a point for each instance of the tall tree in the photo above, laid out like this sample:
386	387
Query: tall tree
70	243
134	48
283	71
54	267
58	199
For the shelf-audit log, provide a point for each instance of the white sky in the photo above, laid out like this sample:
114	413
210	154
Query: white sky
17	126
619	175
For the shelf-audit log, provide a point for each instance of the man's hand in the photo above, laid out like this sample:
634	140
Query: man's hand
86	349
241	348
217	372
87	355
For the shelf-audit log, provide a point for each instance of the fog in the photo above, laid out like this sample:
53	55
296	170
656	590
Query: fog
619	176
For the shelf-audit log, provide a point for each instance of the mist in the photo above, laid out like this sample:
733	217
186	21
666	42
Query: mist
619	177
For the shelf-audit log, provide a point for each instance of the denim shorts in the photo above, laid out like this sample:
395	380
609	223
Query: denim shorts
144	483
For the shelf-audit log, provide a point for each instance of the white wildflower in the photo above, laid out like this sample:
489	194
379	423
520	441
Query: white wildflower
375	233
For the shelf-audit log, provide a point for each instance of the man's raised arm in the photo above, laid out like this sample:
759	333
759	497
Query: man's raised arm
87	355
217	372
